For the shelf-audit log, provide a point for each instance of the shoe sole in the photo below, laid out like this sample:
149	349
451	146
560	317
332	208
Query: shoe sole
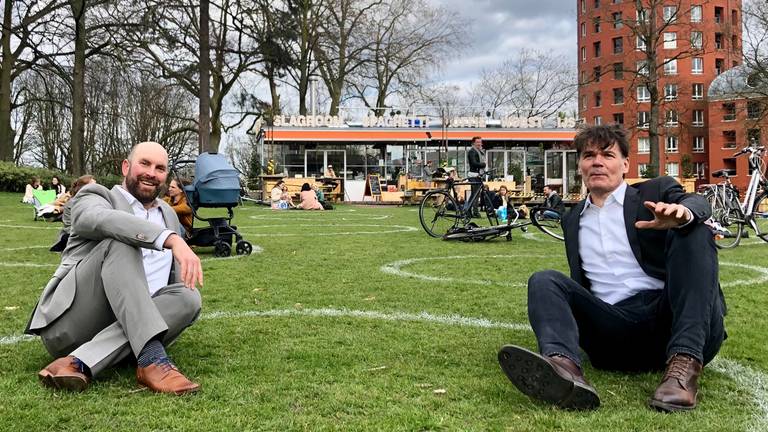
535	377
65	382
667	407
176	392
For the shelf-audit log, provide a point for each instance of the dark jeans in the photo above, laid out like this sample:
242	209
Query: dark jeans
641	332
477	186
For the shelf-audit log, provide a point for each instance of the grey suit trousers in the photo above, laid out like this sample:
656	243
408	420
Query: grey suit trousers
113	313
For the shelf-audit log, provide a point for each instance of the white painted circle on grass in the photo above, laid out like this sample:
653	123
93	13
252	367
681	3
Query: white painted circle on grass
319	218
763	278
397	229
41	227
396	268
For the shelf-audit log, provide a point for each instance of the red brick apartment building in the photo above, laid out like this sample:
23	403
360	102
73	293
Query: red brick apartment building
697	41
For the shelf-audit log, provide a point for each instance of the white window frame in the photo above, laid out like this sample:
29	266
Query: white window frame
641	168
640	44
699	169
696	14
643	145
697	65
672	169
643	95
642	68
670	66
672	144
670	14
670	40
697	95
697	40
598	120
671	118
670	91
698	118
583	54
698	144
643	119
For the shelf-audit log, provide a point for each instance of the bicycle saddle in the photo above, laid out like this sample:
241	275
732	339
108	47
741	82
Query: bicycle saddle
724	173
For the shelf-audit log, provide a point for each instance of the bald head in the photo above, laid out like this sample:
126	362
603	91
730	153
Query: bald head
144	171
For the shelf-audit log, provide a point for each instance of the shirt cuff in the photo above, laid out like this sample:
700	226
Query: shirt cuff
162	238
690	219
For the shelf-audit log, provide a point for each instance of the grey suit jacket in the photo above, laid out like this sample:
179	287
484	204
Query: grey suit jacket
97	214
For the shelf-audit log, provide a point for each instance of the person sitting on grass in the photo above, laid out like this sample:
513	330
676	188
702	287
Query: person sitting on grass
309	199
177	199
66	213
553	201
33	185
126	285
57	186
643	292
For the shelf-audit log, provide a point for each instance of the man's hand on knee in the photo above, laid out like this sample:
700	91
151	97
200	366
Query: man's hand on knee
665	216
191	271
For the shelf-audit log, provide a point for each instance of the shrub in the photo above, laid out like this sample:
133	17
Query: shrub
15	178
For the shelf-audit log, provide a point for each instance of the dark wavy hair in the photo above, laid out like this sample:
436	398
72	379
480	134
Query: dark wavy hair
602	136
305	187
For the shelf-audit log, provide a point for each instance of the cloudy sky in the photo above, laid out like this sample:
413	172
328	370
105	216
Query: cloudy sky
499	28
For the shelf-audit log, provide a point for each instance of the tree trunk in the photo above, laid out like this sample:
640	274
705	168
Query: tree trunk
205	138
78	89
274	93
7	134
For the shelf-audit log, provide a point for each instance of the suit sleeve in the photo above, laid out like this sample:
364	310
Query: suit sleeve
672	192
95	218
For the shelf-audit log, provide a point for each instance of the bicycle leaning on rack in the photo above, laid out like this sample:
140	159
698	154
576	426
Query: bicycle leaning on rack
729	215
443	215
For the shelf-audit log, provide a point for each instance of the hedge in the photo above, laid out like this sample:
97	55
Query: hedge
15	178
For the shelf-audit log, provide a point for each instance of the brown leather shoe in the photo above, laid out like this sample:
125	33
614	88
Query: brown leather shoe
556	380
164	377
64	374
679	385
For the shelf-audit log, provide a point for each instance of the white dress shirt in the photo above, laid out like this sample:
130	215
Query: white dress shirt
606	256
157	262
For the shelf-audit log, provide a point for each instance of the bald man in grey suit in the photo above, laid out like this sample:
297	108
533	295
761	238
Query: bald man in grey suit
126	284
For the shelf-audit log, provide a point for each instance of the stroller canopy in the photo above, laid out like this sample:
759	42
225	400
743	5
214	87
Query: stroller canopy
216	183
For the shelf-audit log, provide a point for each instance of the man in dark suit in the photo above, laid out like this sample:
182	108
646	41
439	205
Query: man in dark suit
643	292
476	159
552	199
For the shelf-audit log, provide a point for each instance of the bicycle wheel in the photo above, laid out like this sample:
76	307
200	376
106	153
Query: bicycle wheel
548	221
760	216
490	212
438	213
727	222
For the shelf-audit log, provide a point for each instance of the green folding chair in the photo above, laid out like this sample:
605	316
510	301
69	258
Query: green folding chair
42	198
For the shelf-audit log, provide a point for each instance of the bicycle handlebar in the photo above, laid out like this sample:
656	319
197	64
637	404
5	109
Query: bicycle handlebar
749	149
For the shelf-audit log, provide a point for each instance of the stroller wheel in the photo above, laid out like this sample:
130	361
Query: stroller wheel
243	248
222	249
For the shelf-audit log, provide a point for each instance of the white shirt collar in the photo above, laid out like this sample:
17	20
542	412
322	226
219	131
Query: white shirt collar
618	195
132	201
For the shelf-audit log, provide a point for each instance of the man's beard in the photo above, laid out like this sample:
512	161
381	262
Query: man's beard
132	185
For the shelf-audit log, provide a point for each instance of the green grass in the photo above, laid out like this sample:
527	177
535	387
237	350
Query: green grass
306	372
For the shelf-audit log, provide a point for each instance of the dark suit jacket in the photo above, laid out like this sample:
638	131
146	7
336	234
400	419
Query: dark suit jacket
476	160
555	202
648	245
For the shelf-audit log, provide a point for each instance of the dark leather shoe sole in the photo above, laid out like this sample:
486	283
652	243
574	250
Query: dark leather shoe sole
668	407
535	377
62	382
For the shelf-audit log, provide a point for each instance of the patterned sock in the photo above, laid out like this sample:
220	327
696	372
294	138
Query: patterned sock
81	367
153	352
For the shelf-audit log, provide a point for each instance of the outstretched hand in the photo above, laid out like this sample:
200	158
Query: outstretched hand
665	216
190	268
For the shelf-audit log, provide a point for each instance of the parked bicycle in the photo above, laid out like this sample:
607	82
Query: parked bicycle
730	217
442	214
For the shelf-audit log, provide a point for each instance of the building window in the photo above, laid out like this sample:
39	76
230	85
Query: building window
754	110
697	93
596	47
618	70
596	73
617	23
643	119
583	29
643	145
729	111
618	96
670	66
698	118
697	65
718	41
697	40
670	92
642	16
719	66
670	40
696	14
753	136
672	144
584	102
642	169
698	144
670	118
596	24
642	68
618	118
598	120
618	45
718	14
597	4
734	43
673	169
734	17
640	44
598	99
729	139
698	170
583	6
583	54
643	95
670	14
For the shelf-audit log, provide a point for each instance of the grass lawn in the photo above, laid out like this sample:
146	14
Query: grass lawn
355	319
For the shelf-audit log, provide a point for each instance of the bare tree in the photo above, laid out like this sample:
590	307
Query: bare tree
755	51
407	43
306	16
342	46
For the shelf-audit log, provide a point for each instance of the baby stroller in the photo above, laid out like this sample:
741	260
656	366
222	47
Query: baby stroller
216	185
